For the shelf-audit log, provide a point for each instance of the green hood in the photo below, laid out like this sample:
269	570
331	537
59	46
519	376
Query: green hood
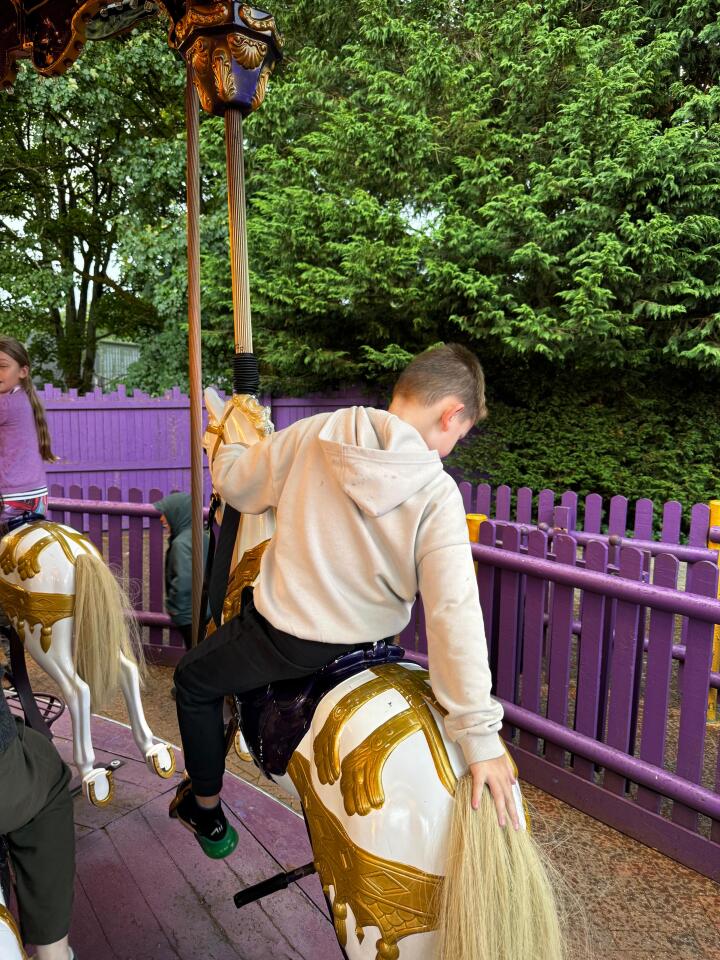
177	510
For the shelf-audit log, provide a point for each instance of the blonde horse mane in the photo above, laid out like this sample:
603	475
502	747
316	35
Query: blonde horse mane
104	628
501	899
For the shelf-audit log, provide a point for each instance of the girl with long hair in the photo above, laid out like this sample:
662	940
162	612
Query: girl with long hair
24	436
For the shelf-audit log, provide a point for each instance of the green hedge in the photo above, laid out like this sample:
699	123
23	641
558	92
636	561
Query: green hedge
653	437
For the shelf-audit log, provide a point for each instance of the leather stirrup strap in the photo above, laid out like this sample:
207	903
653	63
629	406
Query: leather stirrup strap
220	571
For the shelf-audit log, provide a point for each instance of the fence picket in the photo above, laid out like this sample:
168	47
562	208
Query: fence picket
703	580
523	509
465	489
486	585
590	651
136	540
644	519
546	505
503	497
561	621
156	572
592	520
657	681
508	621
115	546
622	668
533	637
95	523
672	522
569	500
483	499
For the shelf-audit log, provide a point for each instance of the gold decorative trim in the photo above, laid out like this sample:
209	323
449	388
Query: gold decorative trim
244	575
111	792
218	14
28	565
9	920
267	25
245	51
222	71
361	771
24	606
326	748
199	55
261	88
395	897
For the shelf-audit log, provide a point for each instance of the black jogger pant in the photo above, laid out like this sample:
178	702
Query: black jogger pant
244	653
36	816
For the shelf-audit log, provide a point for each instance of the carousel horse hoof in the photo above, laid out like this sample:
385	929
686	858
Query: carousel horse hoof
99	787
160	758
183	807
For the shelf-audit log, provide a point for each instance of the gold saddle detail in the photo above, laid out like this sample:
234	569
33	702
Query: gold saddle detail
361	770
397	898
27	563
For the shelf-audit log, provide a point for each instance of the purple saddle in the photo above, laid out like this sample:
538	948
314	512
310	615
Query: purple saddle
275	718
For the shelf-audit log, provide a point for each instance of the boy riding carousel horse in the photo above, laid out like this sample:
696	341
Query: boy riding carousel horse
367	517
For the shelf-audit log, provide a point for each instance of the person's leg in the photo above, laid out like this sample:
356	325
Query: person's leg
42	851
245	653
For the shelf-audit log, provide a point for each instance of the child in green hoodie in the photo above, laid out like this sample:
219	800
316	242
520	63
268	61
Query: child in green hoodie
176	516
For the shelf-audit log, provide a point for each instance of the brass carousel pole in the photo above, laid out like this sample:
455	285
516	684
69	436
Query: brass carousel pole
232	49
242	321
194	346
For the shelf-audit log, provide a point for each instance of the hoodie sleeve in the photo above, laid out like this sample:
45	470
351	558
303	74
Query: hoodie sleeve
251	478
457	648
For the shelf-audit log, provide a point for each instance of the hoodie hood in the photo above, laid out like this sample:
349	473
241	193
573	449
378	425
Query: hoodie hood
177	510
379	460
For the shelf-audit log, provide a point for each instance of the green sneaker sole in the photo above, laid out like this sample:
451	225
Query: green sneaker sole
219	849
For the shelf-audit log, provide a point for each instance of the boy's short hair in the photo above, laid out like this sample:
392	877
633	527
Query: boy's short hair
450	370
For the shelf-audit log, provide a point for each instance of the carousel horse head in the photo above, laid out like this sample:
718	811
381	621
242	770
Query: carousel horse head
76	622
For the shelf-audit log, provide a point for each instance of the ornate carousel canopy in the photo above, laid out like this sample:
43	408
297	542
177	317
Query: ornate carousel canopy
232	47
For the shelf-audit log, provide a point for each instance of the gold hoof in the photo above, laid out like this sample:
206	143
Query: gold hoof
165	774
111	792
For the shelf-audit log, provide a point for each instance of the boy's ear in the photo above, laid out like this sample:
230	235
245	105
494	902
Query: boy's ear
452	410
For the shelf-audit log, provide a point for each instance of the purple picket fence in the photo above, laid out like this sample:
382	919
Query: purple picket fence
618	518
140	442
604	708
131	538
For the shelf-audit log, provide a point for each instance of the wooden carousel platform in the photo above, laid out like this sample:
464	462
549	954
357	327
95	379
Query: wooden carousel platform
145	891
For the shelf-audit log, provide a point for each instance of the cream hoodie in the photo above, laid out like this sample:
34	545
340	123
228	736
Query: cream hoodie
366	517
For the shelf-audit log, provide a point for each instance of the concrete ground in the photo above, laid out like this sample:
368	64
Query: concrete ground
632	902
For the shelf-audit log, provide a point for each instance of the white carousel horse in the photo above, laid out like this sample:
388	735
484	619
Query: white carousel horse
409	870
11	947
74	620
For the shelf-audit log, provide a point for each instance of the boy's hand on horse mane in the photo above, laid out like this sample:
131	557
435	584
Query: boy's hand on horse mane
498	775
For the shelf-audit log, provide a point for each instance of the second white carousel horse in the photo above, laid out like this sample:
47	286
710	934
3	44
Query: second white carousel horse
409	870
76	623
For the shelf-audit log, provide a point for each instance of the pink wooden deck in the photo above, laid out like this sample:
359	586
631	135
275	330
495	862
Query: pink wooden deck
145	890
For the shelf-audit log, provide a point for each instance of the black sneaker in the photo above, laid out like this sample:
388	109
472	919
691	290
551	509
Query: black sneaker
216	836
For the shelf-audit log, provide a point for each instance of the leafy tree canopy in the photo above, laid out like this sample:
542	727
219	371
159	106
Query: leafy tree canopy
538	180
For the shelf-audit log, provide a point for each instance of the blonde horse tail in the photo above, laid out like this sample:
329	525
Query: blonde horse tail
104	628
498	900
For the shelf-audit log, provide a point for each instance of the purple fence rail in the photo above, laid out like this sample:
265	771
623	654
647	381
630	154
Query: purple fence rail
604	708
142	442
